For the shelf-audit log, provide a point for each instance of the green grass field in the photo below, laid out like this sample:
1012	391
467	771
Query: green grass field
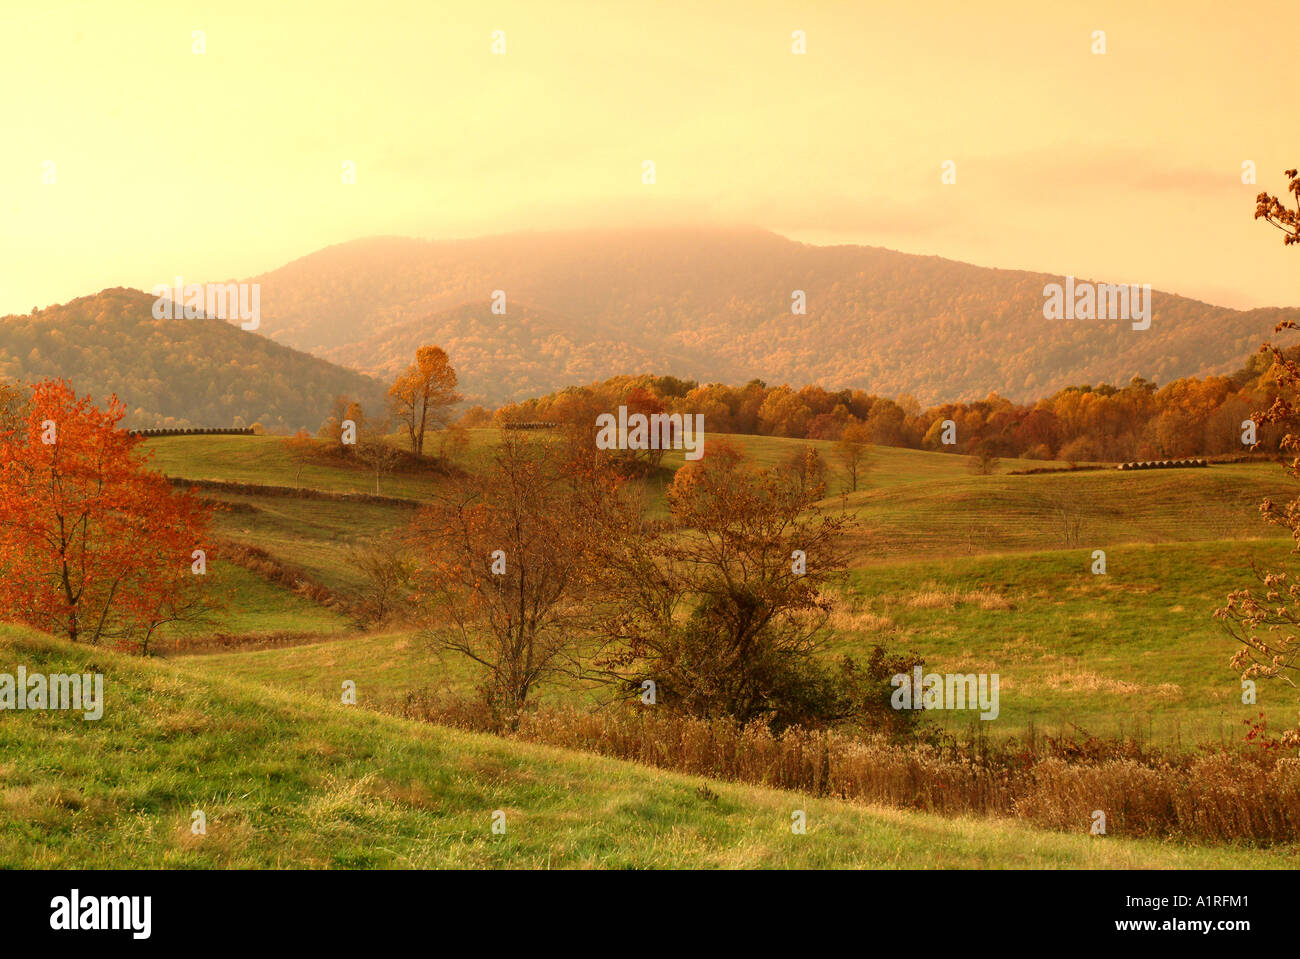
975	573
385	665
316	536
249	606
285	780
264	460
1133	652
971	515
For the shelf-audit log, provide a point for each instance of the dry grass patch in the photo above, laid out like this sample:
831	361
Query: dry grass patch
1022	649
1048	782
860	621
227	835
937	597
415	795
1089	682
965	662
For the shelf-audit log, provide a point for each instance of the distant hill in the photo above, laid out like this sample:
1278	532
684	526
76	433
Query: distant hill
202	372
714	305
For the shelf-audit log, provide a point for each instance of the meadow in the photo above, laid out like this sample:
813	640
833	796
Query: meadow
975	573
287	781
242	716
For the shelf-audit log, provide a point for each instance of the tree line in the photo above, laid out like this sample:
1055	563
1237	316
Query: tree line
1191	416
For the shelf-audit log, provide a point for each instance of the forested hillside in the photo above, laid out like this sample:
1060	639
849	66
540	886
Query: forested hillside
201	372
715	305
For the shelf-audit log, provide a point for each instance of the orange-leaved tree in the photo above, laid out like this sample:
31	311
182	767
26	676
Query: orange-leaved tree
93	544
423	396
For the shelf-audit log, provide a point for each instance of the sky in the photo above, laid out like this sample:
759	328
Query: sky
130	158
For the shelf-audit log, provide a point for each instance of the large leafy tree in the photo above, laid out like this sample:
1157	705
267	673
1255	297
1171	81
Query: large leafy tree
422	397
724	607
93	544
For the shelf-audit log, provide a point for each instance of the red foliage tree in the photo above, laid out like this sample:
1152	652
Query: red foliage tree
93	544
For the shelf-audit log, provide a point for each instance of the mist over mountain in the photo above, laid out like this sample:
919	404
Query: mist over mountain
185	373
708	304
715	305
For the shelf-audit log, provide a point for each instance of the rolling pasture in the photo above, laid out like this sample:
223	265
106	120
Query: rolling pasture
976	573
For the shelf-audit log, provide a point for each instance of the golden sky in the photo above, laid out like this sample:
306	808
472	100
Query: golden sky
1125	166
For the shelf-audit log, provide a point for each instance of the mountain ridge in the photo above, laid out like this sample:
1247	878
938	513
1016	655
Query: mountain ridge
187	373
714	304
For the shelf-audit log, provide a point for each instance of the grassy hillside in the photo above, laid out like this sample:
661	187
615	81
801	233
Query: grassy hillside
911	503
315	536
1134	652
385	665
264	460
290	782
968	515
318	537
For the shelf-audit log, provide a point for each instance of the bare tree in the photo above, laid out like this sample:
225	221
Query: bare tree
983	458
505	564
378	456
385	593
452	443
1064	502
301	449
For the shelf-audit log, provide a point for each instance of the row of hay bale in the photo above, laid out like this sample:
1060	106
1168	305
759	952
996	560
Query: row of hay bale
1162	465
200	431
